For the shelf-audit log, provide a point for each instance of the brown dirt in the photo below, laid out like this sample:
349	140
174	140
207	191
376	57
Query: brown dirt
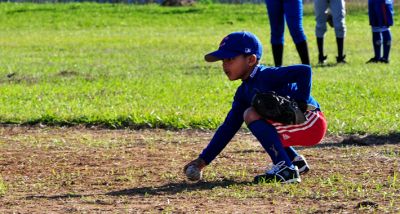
59	170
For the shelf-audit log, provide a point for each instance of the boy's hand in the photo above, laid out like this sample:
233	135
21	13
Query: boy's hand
302	105
199	163
193	169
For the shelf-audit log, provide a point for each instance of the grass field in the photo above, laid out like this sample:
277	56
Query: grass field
101	66
142	66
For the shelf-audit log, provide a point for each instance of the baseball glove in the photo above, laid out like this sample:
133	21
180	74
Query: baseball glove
277	108
329	18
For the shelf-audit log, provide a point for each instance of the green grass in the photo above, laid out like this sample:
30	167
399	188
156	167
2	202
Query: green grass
3	187
142	66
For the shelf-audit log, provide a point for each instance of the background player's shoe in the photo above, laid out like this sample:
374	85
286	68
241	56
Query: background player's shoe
383	60
341	59
322	59
279	173
373	60
301	164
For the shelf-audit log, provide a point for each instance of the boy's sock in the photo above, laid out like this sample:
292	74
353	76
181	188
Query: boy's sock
269	139
277	52
377	42
387	40
340	44
320	44
291	152
302	49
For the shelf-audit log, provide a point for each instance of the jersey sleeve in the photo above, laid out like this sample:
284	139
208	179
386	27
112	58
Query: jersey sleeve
226	131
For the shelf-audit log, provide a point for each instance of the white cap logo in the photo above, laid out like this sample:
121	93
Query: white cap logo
247	50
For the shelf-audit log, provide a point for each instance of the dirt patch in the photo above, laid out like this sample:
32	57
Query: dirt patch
93	170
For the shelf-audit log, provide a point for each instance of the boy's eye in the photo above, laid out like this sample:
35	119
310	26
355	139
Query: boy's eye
227	60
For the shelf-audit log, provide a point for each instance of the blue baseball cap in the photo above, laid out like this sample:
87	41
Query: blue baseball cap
235	44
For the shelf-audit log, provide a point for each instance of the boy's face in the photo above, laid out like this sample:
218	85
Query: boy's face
238	67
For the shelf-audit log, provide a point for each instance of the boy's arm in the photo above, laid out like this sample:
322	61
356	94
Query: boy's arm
225	132
299	74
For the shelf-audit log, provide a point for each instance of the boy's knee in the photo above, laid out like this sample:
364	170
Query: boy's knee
320	30
251	115
340	31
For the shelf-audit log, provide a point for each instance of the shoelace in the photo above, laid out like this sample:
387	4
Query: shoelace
275	168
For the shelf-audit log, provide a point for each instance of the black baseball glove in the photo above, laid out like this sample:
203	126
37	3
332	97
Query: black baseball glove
329	18
280	109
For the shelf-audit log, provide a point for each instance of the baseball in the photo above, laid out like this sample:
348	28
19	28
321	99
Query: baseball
193	173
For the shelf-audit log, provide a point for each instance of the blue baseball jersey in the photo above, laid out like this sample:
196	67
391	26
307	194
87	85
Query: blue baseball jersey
294	81
380	13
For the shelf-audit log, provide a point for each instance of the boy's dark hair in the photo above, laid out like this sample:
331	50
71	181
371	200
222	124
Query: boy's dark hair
246	55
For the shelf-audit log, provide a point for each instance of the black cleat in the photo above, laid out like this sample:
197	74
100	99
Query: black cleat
322	59
301	164
279	173
383	60
373	60
341	59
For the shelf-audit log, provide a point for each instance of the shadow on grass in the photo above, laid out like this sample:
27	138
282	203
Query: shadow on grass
364	140
349	140
173	188
65	196
325	65
166	189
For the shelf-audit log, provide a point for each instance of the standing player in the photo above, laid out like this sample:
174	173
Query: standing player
240	53
338	12
381	18
292	12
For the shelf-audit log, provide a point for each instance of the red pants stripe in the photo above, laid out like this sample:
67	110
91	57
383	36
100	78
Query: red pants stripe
308	133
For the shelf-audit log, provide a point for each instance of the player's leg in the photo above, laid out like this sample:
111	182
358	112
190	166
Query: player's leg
376	37
387	37
283	169
387	41
376	43
267	136
308	133
338	13
294	19
277	28
292	153
320	6
297	160
313	130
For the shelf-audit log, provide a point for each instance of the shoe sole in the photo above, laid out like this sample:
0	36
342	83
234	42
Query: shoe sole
294	180
291	181
304	169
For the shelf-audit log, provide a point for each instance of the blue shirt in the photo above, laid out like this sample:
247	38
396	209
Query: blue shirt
293	81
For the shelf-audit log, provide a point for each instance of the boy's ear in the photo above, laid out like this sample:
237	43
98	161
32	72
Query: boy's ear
252	60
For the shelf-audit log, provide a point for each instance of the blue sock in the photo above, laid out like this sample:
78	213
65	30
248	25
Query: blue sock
387	40
377	42
291	152
269	139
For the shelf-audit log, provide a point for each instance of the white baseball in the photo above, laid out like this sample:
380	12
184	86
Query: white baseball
193	173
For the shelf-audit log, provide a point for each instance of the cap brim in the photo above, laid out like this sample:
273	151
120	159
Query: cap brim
220	55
